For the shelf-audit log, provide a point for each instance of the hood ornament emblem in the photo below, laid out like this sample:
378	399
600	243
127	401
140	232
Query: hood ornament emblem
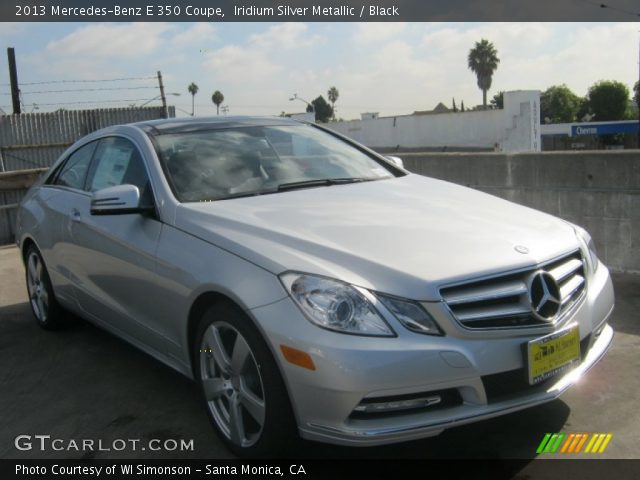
544	295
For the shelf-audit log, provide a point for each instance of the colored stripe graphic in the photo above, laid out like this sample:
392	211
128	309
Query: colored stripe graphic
567	443
556	446
582	441
573	443
596	446
606	441
590	444
550	444
540	449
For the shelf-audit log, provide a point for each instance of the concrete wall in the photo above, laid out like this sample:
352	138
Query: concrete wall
599	190
515	128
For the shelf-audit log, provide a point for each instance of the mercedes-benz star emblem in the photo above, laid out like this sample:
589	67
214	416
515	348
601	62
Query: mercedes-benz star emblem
544	295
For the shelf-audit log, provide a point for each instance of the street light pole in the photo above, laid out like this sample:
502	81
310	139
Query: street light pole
164	106
313	108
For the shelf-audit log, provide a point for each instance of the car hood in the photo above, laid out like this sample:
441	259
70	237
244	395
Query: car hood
404	236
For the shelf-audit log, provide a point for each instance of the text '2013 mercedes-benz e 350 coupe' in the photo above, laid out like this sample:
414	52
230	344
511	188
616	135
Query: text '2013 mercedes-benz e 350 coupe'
310	285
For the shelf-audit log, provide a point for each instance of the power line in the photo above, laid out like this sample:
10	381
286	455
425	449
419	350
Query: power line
94	101
83	81
88	90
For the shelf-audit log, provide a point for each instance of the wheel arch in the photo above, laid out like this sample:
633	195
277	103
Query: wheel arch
27	242
200	305
204	301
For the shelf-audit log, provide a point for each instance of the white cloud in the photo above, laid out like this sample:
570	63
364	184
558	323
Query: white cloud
13	28
259	60
284	36
236	64
367	33
111	40
199	33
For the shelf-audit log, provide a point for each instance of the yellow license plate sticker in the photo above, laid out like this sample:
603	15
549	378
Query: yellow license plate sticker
553	354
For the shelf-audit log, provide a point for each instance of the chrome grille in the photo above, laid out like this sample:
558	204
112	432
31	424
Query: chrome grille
504	301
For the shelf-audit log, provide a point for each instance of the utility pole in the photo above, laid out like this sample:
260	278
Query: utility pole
165	114
13	78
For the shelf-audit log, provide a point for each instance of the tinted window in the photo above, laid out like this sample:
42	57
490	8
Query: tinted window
74	171
223	163
119	162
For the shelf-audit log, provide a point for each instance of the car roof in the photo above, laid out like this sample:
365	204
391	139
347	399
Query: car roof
190	124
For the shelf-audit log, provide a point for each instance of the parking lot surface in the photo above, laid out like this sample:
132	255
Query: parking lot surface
83	383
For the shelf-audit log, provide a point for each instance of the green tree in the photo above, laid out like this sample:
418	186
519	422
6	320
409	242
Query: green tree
462	106
323	110
333	95
558	104
453	106
608	100
483	61
193	89
498	100
217	98
636	95
584	113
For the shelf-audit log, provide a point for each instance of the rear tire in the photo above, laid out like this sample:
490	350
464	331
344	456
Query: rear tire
44	306
242	388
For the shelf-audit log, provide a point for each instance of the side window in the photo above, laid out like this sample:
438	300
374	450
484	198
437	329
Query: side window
74	171
118	162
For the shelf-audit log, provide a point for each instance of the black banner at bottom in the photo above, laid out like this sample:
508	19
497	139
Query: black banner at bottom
320	469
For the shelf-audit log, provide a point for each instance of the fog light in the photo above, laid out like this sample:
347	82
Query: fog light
392	406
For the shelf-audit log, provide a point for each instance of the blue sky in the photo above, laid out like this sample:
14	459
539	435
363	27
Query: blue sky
377	67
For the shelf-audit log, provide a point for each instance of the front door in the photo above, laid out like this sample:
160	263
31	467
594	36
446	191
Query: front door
114	255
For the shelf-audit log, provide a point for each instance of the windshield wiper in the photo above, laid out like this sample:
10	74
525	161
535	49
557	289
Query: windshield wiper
241	195
321	182
283	187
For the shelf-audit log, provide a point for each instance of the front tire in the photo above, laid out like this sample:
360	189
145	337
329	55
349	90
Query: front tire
42	300
241	385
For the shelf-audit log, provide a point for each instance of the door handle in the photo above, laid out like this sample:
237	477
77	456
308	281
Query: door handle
75	215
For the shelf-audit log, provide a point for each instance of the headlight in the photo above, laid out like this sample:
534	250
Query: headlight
589	245
335	305
411	315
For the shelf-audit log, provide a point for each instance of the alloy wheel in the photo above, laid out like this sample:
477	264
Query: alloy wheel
37	287
232	384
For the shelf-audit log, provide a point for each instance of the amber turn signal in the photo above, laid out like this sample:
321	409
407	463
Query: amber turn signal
297	357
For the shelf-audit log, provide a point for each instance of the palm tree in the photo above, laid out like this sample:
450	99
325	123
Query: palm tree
483	61
217	98
333	95
193	89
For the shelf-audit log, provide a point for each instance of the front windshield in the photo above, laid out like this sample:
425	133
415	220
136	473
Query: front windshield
243	161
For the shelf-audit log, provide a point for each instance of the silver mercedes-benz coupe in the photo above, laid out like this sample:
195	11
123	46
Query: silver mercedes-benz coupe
310	285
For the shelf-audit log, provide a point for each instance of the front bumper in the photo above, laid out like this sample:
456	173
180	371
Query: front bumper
352	368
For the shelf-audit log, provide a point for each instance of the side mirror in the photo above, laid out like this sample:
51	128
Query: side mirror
397	161
118	200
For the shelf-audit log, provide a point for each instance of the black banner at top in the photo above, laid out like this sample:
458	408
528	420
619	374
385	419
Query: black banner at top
317	10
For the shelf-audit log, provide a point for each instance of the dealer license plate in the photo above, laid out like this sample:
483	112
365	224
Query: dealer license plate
553	354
